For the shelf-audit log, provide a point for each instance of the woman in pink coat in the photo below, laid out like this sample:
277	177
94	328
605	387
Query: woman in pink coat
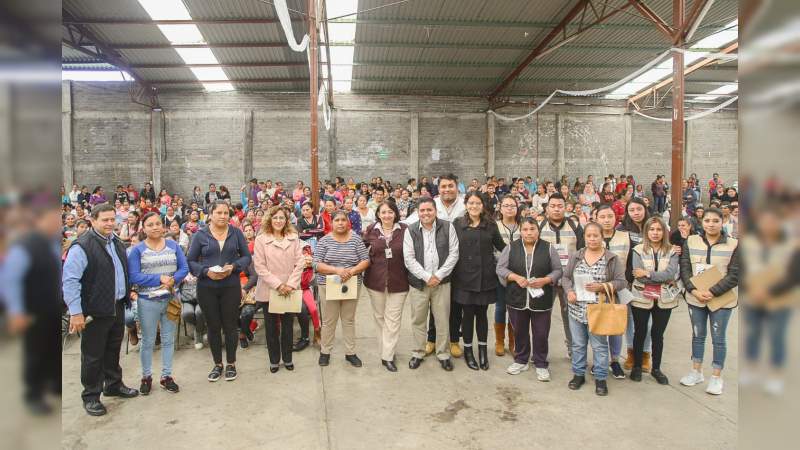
278	260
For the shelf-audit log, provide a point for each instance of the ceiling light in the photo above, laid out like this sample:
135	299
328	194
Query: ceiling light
218	87
165	9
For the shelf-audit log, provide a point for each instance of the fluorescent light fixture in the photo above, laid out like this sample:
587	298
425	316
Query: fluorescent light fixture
663	70
197	55
714	94
182	34
165	9
218	87
209	73
95	75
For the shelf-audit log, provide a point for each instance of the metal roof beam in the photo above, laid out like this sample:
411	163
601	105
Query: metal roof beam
247	80
651	15
254	21
494	24
231	45
545	46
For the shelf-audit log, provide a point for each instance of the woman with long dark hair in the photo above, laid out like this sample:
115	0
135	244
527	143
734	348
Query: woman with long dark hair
508	224
474	278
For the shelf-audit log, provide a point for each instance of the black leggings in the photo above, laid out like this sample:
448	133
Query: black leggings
279	342
660	321
473	314
221	308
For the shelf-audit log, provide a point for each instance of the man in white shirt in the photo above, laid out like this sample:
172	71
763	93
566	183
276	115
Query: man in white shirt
430	252
449	204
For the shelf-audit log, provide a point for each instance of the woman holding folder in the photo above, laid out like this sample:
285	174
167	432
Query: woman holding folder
711	297
279	262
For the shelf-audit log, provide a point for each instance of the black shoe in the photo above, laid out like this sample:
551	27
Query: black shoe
576	382
616	371
469	358
169	385
353	360
249	334
446	364
301	344
483	357
414	362
324	359
94	408
216	374
123	392
38	407
243	342
274	368
600	388
146	385
636	374
659	376
230	372
288	366
389	365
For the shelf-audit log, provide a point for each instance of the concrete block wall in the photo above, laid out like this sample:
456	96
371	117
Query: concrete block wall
228	137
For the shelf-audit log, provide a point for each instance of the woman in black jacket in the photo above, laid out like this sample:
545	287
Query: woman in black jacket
216	257
474	278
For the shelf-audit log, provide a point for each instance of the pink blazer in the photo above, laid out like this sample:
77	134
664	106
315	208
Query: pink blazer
277	262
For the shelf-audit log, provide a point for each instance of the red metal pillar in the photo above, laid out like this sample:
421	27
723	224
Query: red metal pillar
678	124
314	88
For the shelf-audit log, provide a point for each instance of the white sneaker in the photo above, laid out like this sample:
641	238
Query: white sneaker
747	378
693	378
516	368
714	385
773	386
542	374
198	346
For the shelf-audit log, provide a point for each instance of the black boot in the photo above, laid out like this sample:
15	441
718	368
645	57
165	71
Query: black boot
469	358
483	357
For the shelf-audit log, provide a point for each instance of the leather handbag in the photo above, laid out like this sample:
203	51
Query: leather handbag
174	309
607	317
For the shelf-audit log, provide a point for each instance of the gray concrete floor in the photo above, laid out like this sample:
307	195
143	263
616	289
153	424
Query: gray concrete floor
341	407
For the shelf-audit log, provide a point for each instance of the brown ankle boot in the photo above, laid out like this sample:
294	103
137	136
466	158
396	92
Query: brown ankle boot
317	334
499	339
647	363
511	341
133	336
629	360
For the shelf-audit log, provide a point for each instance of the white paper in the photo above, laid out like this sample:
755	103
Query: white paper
217	269
535	292
700	268
563	254
581	280
159	293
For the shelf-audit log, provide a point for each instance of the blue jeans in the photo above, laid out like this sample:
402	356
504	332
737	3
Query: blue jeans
580	339
500	305
151	314
776	323
131	315
719	325
648	344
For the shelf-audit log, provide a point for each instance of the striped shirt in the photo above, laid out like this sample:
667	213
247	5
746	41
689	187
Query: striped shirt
340	254
152	262
598	273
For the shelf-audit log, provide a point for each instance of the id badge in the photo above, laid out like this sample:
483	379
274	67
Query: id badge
563	254
388	253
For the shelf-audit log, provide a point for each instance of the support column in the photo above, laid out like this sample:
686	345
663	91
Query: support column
156	146
626	163
67	171
247	148
332	148
413	146
560	152
313	52
678	124
688	155
490	151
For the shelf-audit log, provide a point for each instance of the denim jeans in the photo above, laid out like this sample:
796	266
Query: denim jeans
131	315
775	322
719	325
648	343
581	338
151	314
500	305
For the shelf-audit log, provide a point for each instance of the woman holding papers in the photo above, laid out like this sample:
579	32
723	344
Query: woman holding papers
655	269
339	256
157	266
217	254
279	262
529	267
586	272
715	299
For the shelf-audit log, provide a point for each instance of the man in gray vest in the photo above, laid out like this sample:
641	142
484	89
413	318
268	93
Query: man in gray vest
96	290
430	252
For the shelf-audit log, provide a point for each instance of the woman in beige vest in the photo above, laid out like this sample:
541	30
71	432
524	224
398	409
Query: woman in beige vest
701	253
655	270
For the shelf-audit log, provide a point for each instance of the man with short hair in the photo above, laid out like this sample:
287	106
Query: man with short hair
211	195
566	237
96	290
430	252
378	195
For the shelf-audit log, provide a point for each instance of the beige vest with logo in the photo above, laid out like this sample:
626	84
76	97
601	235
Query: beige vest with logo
620	244
639	300
720	258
